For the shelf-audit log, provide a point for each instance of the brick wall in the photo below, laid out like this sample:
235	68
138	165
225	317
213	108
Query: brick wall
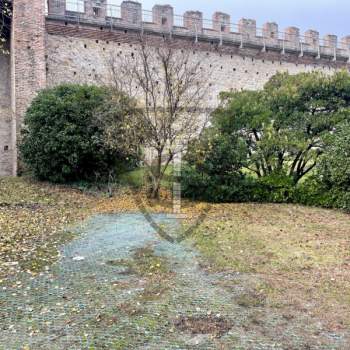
5	116
54	50
28	59
81	55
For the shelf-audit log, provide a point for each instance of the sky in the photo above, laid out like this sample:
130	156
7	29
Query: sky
326	16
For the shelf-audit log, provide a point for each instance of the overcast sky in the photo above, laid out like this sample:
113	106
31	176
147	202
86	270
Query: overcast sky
326	16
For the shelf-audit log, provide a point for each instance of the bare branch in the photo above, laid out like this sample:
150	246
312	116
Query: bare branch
169	85
5	23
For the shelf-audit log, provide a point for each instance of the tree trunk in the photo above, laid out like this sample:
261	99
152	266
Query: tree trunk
155	191
156	178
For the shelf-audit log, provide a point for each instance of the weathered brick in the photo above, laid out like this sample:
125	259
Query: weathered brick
28	60
5	117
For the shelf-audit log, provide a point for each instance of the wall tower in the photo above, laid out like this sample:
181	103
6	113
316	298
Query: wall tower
28	68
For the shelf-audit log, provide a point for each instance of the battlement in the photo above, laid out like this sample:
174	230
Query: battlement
60	41
162	19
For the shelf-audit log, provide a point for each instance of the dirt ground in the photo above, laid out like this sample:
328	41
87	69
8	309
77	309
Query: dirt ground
80	270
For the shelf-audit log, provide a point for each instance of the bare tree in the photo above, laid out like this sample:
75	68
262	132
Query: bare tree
170	86
5	23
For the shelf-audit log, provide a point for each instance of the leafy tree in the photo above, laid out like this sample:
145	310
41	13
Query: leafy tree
329	185
63	138
334	167
285	125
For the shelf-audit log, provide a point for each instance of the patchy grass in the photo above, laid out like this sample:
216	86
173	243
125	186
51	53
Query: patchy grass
153	269
300	257
147	263
293	262
35	218
34	221
251	298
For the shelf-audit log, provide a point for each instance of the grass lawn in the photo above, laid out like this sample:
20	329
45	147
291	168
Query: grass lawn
136	178
291	262
299	257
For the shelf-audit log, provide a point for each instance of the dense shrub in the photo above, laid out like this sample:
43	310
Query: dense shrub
214	171
199	185
275	188
334	167
314	193
237	188
62	139
330	184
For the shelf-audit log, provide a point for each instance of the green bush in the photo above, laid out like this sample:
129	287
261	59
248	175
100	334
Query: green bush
334	167
314	193
62	140
237	187
275	188
330	184
214	171
215	188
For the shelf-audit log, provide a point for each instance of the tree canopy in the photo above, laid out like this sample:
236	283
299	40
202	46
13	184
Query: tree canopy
335	162
286	124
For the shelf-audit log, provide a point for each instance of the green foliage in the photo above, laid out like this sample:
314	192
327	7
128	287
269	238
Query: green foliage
118	118
314	193
285	125
330	185
217	154
275	188
215	173
334	167
196	185
263	143
63	140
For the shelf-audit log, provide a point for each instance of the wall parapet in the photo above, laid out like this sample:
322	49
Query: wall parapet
161	19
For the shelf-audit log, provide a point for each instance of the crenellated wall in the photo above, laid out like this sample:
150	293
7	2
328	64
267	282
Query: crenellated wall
232	60
84	59
73	44
162	19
